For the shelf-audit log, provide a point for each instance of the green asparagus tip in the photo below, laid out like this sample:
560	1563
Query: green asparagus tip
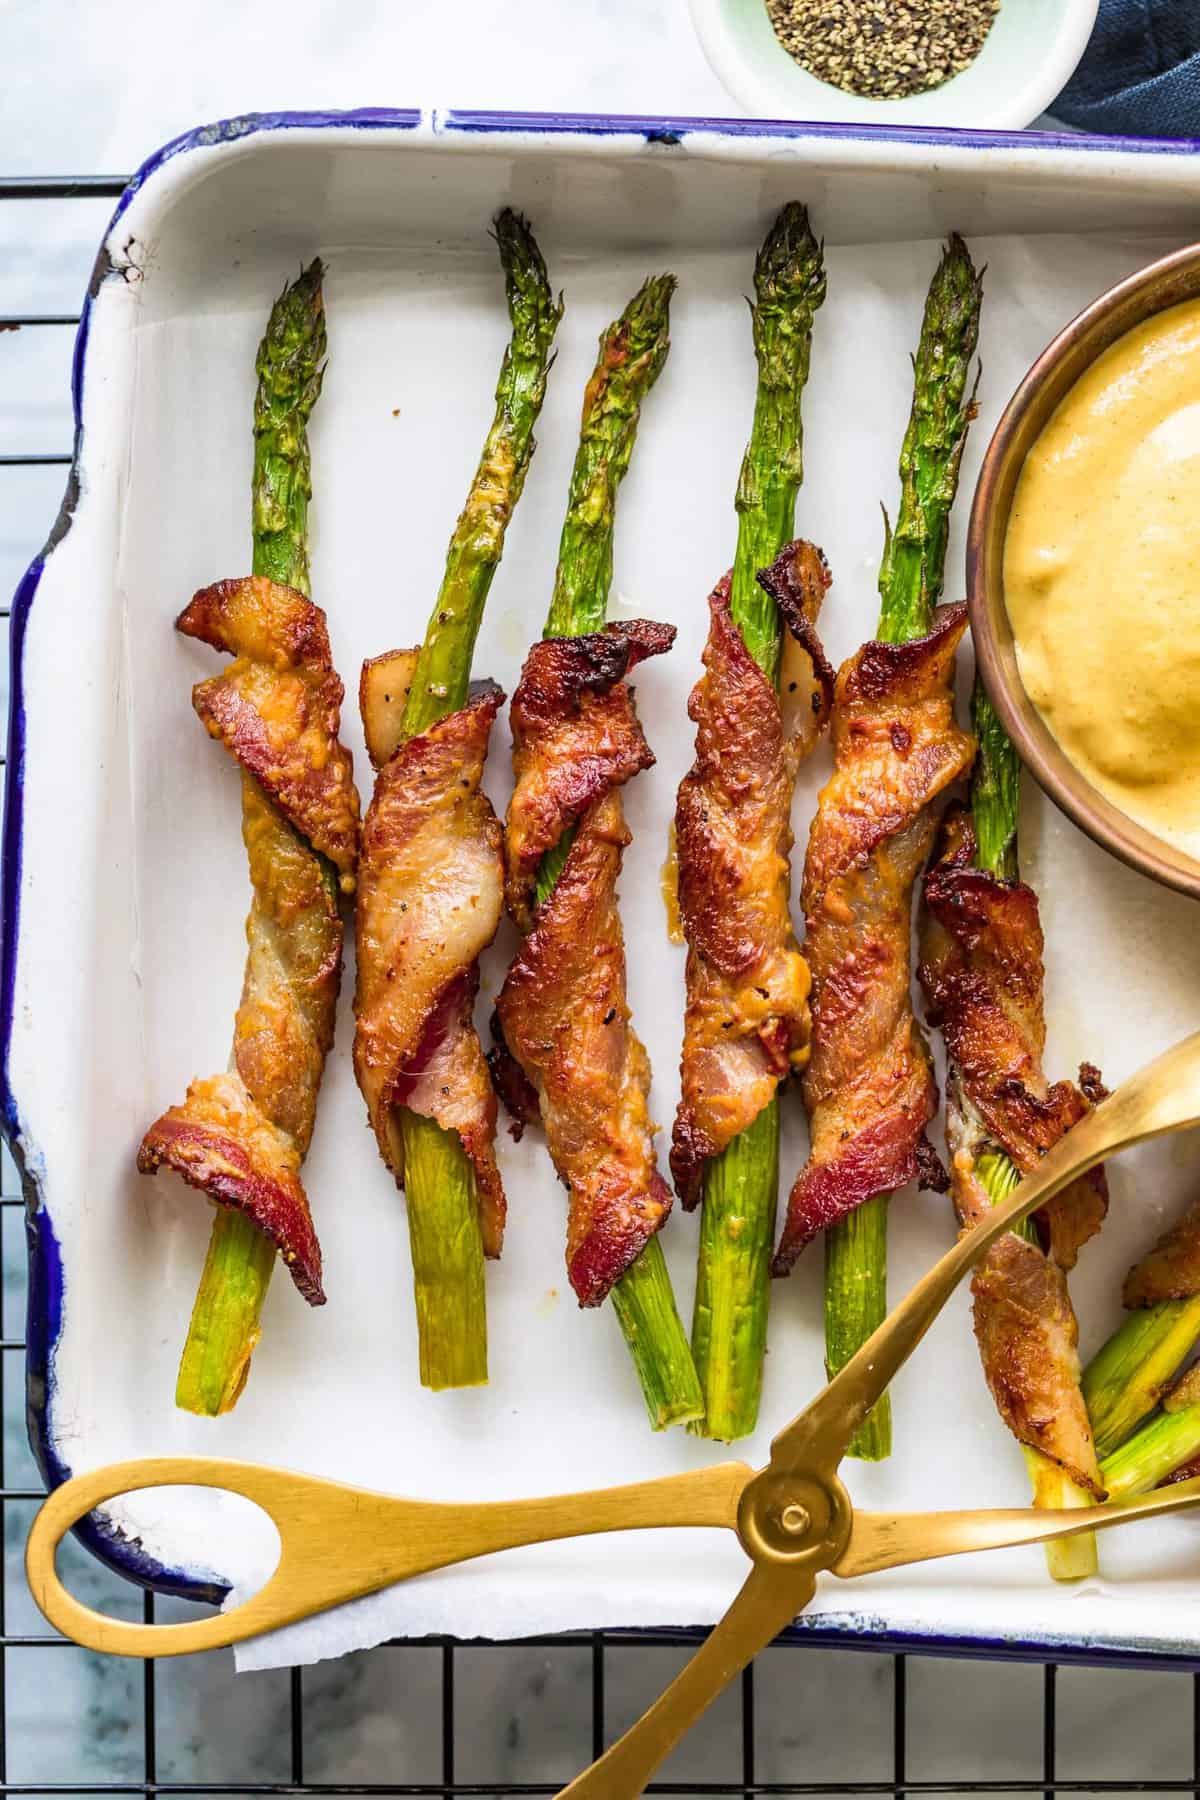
290	368
308	282
912	572
641	338
291	356
632	351
790	267
950	329
534	311
956	293
950	335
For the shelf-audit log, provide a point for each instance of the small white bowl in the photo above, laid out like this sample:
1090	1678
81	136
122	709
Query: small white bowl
1027	58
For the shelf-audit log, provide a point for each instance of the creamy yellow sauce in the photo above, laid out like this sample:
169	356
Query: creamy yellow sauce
1102	574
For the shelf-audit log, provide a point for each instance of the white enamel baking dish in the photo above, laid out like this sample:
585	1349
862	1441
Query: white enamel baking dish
124	884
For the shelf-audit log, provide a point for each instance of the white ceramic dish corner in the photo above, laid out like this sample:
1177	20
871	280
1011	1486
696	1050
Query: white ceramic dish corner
124	877
1027	59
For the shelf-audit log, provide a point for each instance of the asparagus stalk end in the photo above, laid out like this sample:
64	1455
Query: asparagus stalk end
855	1303
1128	1376
1067	1559
225	1325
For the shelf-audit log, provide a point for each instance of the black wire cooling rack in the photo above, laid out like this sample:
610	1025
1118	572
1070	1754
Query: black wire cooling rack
1038	1722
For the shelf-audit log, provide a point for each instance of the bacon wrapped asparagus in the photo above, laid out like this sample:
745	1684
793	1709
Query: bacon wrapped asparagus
566	1051
981	969
242	1136
747	1023
869	1086
432	877
1147	1424
1128	1376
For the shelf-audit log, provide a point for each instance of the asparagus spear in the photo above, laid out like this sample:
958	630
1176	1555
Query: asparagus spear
290	368
1163	1444
632	352
910	585
443	1212
237	1270
789	286
737	1219
1127	1375
995	799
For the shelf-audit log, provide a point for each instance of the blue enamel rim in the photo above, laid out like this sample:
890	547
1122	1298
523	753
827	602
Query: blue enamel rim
47	1281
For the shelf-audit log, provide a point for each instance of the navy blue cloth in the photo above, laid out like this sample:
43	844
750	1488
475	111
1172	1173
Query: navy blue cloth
1140	74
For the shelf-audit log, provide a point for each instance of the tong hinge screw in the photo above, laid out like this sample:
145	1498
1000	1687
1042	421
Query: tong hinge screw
795	1519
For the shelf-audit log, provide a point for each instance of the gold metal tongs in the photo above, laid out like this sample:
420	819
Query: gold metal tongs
794	1517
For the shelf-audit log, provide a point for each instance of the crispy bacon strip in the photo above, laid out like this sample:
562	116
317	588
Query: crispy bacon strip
277	707
241	1137
430	894
981	969
222	1143
1171	1270
563	1013
869	1086
747	1025
576	737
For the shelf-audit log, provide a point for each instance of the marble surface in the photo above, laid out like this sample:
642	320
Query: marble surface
95	88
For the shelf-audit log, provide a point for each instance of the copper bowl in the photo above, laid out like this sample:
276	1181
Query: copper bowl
1057	369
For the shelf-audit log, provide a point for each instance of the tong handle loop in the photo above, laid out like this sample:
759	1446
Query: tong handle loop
338	1543
76	1498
